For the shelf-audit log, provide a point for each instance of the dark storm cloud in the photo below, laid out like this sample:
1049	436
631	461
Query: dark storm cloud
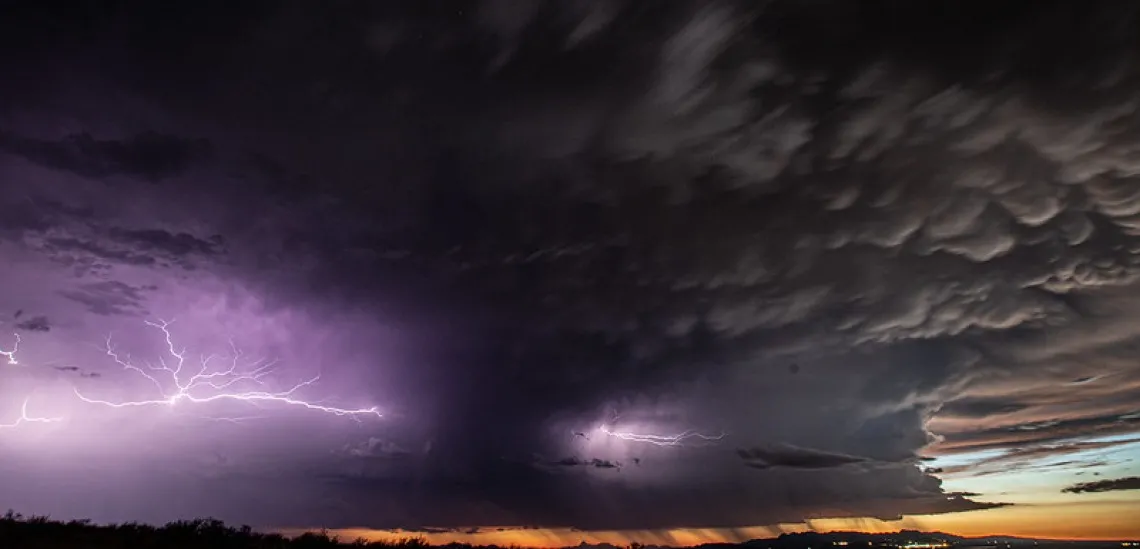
39	323
580	462
517	493
977	407
37	213
146	155
109	298
174	244
814	226
790	456
376	448
137	247
1108	485
62	246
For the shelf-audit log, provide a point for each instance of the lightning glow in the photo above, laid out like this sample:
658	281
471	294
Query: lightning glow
25	418
684	438
11	355
175	384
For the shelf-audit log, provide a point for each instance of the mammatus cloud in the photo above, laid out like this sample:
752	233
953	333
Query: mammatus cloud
1107	485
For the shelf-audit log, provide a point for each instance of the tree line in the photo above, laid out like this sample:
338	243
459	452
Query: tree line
36	532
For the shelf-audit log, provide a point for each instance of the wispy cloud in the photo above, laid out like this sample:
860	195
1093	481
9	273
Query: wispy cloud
1108	485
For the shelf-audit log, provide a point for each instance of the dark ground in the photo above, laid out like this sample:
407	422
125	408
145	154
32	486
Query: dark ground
19	532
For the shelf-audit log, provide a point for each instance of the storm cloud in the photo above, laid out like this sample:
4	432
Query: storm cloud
788	456
813	228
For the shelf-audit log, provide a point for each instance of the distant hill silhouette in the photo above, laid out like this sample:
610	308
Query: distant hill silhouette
18	531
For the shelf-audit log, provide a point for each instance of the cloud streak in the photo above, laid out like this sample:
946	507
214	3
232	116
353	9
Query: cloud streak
1107	485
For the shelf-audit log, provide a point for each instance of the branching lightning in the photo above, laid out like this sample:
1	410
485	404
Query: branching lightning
11	355
209	383
25	418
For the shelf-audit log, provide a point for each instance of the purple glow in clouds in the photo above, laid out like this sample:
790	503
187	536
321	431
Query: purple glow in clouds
212	383
649	431
684	438
179	378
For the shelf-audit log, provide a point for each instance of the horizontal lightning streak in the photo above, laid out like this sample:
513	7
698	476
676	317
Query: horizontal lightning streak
684	438
208	385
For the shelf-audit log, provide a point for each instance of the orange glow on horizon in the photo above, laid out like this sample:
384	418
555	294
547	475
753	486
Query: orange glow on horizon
1101	520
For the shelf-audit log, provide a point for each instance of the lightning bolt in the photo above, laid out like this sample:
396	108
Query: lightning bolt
11	355
684	438
25	418
175	382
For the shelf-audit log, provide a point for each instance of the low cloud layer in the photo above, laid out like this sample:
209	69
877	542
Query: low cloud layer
790	456
808	231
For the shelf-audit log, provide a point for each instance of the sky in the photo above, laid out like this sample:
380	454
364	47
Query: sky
571	270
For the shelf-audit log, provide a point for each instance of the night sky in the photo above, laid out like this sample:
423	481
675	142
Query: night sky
545	271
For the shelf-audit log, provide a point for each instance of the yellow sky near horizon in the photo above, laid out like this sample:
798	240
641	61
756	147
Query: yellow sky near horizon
1112	518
